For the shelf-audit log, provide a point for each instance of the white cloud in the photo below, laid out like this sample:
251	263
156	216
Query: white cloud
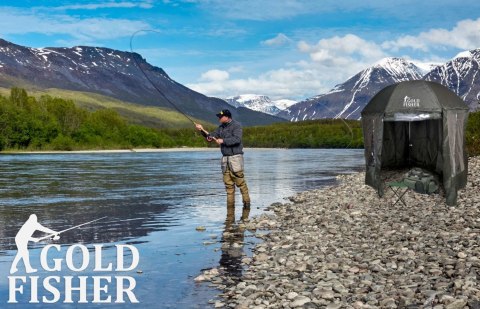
215	76
15	21
106	5
333	60
342	50
465	35
281	83
279	40
339	57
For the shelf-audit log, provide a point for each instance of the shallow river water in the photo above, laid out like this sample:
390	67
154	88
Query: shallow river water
152	201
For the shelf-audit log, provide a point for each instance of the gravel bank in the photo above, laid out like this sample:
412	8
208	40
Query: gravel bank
343	247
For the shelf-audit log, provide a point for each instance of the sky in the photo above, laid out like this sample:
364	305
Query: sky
290	49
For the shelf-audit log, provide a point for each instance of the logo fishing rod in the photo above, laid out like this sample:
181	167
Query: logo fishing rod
56	237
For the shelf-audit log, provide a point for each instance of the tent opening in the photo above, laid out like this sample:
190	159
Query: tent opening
413	144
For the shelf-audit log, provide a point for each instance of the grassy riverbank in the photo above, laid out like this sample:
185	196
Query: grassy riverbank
46	123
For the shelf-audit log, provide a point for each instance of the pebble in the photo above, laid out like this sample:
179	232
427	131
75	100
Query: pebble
261	257
344	247
458	304
299	301
326	294
334	306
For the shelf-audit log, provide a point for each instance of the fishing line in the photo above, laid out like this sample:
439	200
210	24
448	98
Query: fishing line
146	76
175	106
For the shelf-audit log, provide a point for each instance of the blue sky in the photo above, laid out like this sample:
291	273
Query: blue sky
285	49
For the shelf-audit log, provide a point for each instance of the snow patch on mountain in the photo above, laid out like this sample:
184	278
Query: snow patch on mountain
260	103
283	103
399	69
464	54
461	76
426	67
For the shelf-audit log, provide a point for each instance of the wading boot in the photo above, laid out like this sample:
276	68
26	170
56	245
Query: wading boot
245	213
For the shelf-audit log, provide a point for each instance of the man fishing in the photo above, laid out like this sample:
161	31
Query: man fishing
22	238
229	136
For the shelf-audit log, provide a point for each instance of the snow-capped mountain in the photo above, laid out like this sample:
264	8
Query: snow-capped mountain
425	67
284	103
259	103
461	75
348	99
109	72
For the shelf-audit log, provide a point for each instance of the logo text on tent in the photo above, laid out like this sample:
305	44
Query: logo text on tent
410	102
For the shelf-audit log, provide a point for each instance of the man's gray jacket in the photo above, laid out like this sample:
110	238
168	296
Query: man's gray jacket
231	133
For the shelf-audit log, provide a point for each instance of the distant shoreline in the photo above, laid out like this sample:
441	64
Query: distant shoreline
107	150
140	150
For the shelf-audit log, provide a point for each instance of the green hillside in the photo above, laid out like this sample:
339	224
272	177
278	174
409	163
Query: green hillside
52	123
154	117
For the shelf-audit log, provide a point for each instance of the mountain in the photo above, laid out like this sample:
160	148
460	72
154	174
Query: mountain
426	67
461	76
111	73
284	103
348	99
259	103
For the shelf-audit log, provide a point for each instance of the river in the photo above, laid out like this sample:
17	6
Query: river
152	201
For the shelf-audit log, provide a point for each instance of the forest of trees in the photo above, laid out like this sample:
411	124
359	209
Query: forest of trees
48	123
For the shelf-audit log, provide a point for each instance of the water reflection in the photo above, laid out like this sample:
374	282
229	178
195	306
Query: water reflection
233	243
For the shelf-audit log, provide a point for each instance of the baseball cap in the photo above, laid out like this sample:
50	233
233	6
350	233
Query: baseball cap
224	112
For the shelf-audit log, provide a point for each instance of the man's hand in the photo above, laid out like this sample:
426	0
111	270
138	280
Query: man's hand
199	127
219	141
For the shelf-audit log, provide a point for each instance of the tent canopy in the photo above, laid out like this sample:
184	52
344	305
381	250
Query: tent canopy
416	124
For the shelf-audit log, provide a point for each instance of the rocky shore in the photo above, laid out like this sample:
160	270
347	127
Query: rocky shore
343	247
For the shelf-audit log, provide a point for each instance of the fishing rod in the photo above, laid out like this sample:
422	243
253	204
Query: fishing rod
151	82
176	107
55	235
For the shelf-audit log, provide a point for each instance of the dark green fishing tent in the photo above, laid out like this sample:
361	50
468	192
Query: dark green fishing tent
416	124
